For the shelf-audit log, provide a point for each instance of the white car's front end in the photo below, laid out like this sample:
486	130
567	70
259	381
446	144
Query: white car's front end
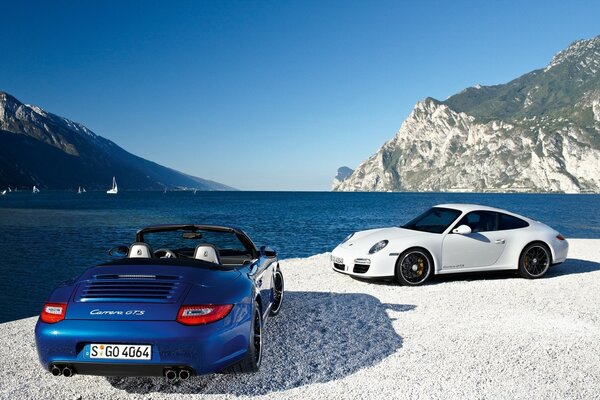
372	253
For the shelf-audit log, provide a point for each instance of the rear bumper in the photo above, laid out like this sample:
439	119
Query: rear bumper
203	349
115	369
560	248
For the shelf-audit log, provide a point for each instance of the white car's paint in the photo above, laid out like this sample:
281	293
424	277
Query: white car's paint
451	252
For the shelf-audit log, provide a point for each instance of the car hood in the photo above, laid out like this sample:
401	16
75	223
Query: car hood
364	240
144	292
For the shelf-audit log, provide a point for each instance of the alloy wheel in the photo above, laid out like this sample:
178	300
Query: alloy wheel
536	261
415	267
277	292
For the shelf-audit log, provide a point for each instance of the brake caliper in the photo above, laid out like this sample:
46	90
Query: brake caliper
421	266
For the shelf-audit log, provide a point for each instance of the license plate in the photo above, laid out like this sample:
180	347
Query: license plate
337	260
121	351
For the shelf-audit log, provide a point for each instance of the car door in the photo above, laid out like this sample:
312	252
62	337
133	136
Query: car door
478	249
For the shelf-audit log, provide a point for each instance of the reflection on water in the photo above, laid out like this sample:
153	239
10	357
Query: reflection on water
52	236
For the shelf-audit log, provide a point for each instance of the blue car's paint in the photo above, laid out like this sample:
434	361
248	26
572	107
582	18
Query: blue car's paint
208	348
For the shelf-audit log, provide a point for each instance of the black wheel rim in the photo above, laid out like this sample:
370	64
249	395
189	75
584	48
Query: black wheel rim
536	260
257	338
415	267
277	291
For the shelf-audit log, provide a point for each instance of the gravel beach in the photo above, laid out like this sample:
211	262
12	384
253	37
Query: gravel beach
476	336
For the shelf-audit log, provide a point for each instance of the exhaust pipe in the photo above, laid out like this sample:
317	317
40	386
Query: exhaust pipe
55	371
184	374
67	372
171	375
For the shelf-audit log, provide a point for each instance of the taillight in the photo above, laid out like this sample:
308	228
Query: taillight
560	237
53	312
202	314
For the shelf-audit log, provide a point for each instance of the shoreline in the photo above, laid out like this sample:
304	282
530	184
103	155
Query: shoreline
476	336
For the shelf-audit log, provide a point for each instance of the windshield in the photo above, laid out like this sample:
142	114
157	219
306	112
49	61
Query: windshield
434	220
184	242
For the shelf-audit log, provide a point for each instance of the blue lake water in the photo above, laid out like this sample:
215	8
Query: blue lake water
52	236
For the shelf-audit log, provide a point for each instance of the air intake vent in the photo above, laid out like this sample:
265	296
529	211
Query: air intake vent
361	268
131	288
339	266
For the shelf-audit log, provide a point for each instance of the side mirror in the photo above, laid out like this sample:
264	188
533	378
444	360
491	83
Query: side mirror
268	252
119	251
462	230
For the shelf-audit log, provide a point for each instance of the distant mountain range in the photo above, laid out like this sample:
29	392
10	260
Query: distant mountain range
52	152
537	133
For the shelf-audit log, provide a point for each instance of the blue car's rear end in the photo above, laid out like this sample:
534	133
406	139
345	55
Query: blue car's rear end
182	319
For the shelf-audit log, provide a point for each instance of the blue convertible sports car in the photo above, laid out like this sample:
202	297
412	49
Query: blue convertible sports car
197	304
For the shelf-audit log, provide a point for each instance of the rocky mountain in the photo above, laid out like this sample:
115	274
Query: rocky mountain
343	173
43	149
537	133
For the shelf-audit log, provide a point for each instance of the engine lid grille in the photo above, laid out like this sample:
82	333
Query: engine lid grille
130	288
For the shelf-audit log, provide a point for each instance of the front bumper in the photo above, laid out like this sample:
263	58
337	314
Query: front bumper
355	263
203	349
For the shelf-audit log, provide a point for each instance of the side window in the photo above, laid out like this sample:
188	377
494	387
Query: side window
480	221
510	222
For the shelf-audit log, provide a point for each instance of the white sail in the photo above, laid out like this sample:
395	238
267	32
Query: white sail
114	189
35	189
83	190
3	193
79	190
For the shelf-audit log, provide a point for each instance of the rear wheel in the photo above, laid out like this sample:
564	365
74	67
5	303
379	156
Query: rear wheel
413	267
252	361
277	292
534	261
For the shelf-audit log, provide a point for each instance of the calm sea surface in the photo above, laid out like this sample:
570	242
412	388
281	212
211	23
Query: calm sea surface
52	236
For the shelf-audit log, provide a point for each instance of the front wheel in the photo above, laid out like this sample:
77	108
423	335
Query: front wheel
277	292
534	261
413	267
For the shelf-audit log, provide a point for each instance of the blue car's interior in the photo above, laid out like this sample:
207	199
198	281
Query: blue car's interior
215	245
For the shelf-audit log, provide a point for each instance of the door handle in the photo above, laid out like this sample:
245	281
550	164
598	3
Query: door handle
500	241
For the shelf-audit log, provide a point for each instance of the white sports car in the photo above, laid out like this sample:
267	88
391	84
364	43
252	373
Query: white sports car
451	238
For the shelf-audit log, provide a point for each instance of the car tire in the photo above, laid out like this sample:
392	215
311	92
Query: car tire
278	288
414	267
251	363
534	261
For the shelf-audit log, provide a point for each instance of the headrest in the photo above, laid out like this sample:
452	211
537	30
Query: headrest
140	250
207	252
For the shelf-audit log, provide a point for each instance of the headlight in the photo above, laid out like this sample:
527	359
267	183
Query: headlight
347	238
378	246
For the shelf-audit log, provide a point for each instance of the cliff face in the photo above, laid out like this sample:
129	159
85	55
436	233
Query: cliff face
540	132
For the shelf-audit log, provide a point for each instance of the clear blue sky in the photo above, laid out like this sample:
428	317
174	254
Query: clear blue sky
268	95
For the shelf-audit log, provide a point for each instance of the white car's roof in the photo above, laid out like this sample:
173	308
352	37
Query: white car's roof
472	207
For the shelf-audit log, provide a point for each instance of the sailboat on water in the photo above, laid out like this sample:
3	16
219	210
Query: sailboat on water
114	189
80	190
35	190
3	193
